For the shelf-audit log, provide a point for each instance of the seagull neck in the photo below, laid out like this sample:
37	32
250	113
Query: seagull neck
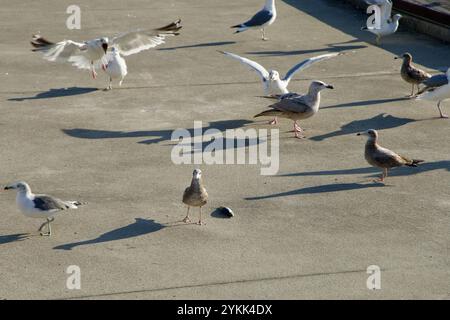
371	142
195	183
270	5
26	193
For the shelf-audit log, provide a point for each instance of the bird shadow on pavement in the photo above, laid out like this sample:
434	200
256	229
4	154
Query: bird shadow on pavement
200	45
166	135
374	172
139	228
330	48
327	188
56	93
365	103
13	238
379	122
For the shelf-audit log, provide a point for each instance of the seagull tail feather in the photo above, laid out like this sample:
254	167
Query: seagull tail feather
268	113
414	162
39	42
173	26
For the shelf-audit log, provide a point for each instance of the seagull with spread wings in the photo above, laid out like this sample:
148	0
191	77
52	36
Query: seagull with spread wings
92	54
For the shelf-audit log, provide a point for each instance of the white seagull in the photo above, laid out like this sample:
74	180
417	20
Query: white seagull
388	24
116	67
92	53
262	19
274	85
437	93
39	205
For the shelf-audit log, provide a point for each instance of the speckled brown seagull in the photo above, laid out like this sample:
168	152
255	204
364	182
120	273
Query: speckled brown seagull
410	73
383	158
195	195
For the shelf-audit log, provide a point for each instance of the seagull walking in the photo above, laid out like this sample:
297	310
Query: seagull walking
195	195
388	25
39	205
298	107
92	53
383	158
411	73
262	19
436	90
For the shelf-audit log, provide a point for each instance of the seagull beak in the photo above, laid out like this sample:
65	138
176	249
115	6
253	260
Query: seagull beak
330	86
7	188
358	134
396	57
105	47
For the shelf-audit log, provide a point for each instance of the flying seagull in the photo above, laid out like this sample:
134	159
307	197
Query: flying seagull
439	90
262	19
383	158
388	25
39	205
195	195
298	107
91	54
410	73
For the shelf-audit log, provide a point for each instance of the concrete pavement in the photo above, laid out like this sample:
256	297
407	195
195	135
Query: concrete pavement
309	232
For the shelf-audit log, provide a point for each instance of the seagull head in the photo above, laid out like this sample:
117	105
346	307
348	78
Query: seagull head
197	174
104	43
397	17
406	57
317	86
371	133
19	185
274	75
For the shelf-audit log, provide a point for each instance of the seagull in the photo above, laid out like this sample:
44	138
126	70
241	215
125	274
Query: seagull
262	19
195	195
39	205
410	73
298	107
92	53
388	25
116	67
437	90
273	85
383	158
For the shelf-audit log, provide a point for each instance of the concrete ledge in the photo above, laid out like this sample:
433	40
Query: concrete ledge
421	16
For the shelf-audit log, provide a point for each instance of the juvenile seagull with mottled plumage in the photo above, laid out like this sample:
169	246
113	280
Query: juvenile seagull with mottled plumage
195	195
262	19
39	205
411	73
383	158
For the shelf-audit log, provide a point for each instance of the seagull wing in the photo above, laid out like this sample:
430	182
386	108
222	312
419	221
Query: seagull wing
66	50
307	63
292	104
262	72
389	158
47	203
137	41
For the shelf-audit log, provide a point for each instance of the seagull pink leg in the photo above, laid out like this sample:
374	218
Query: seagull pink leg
444	116
297	130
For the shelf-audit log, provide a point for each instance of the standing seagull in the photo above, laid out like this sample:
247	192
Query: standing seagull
195	195
262	19
381	157
387	25
298	107
116	67
410	73
437	92
92	53
39	205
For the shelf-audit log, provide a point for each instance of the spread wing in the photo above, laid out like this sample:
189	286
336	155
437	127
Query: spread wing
66	50
307	63
262	72
137	41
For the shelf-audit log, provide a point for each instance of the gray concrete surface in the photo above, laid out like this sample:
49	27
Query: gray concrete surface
320	222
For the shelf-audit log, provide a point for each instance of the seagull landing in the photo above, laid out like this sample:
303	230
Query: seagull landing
91	54
262	19
39	205
388	25
383	158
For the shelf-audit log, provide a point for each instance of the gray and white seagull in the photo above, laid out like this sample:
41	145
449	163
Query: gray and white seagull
39	206
262	19
91	54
